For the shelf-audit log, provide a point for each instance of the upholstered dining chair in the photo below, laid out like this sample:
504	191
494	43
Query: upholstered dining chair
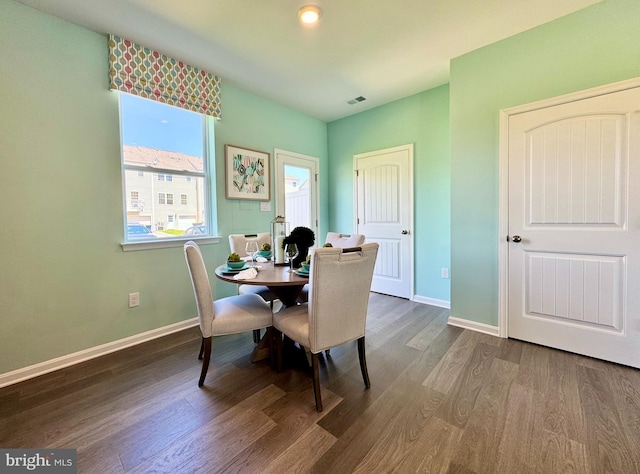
344	240
238	244
339	286
230	315
336	240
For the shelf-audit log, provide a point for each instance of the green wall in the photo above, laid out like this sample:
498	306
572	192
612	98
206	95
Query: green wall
423	120
594	46
64	278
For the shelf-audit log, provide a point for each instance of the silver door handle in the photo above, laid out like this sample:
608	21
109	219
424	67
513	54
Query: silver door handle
405	232
516	238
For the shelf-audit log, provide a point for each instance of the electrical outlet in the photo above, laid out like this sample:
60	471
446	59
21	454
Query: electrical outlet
134	300
444	273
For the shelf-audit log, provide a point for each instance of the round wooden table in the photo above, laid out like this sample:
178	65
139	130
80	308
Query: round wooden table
285	285
282	283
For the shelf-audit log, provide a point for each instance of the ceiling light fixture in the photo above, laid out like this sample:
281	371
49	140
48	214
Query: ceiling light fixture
309	14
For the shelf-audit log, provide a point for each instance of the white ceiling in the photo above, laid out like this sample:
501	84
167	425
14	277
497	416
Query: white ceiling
381	49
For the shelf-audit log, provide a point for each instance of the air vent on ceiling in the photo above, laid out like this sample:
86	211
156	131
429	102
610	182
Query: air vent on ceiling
356	100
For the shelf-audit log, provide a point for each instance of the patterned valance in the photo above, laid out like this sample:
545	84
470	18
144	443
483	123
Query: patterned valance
147	73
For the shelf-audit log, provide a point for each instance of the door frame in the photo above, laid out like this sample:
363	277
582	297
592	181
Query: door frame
410	149
503	179
279	193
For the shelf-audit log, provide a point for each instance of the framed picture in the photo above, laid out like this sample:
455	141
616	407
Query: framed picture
247	174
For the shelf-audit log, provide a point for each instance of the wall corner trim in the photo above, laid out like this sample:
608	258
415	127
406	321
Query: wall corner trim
19	375
473	326
432	301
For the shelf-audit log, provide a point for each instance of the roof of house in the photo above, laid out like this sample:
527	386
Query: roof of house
161	159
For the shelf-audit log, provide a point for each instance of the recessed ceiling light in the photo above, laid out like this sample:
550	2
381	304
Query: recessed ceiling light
309	14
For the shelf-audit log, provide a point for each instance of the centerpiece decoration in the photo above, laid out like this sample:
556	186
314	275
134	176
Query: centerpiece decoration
279	229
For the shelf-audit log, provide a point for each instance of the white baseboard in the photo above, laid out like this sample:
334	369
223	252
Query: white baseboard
473	326
42	368
432	301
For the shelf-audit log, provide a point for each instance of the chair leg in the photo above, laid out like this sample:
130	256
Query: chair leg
201	349
363	362
256	332
206	341
316	382
279	348
270	334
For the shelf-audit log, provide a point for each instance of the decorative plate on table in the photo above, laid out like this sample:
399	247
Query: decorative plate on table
228	270
301	272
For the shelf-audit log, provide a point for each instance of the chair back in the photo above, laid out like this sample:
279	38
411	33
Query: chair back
238	242
339	286
344	240
201	286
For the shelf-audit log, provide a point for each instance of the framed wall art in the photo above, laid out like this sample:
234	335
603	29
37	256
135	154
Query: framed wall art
247	174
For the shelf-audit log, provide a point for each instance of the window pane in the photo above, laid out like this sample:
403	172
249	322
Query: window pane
169	143
297	200
153	212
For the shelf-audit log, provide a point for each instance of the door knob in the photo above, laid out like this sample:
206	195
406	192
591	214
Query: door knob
516	238
405	232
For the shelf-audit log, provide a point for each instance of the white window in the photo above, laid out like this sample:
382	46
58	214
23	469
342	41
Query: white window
135	200
160	142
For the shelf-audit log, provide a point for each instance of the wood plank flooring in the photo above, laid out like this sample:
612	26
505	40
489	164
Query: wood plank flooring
442	400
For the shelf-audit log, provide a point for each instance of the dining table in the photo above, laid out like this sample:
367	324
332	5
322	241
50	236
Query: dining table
281	281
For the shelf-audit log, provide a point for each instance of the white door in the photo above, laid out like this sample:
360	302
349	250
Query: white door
574	226
297	189
384	214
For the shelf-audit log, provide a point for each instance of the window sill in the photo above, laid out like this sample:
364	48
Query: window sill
167	243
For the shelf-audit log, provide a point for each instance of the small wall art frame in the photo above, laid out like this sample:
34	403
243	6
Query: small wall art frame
247	174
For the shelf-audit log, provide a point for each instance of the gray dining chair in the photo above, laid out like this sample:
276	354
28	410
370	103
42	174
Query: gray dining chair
336	240
336	313
230	315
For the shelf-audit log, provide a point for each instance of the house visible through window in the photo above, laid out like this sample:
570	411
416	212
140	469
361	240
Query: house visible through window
164	155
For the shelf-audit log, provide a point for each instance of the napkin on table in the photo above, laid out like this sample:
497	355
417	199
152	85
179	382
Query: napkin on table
247	274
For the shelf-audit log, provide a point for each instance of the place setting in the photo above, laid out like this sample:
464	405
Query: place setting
303	271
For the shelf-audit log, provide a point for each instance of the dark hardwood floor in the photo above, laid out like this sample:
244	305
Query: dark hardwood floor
442	400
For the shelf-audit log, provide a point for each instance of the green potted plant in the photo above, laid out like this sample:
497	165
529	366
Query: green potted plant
234	261
265	251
